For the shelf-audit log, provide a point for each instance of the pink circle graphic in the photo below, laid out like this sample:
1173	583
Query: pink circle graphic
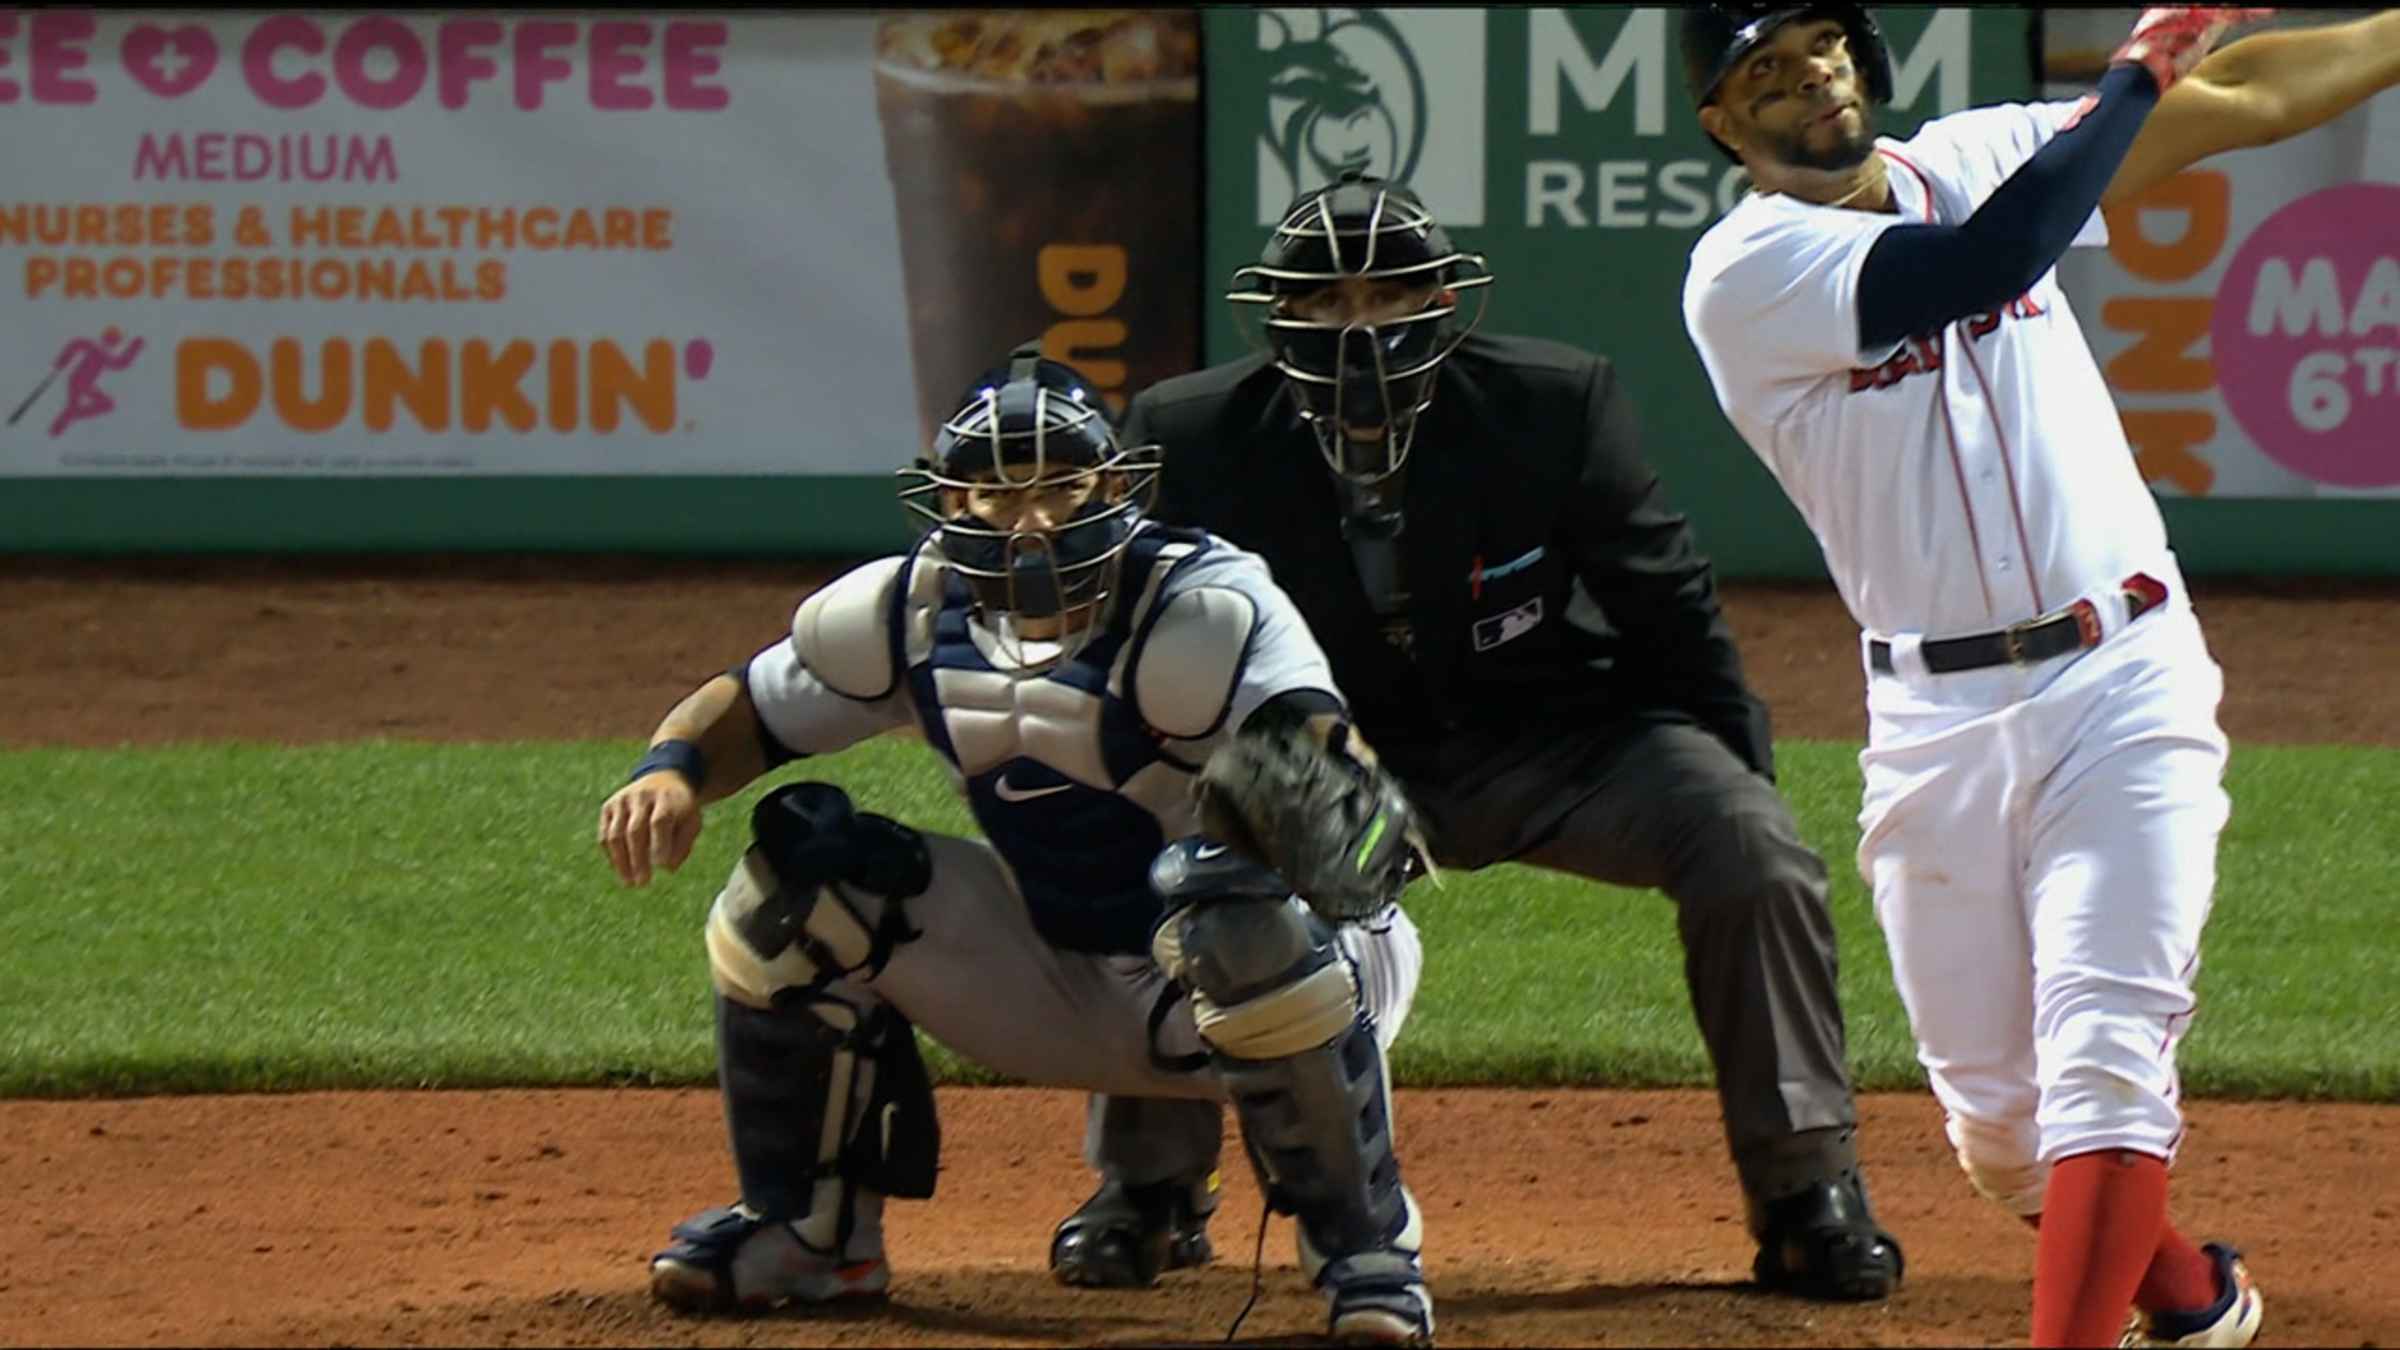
2306	336
698	355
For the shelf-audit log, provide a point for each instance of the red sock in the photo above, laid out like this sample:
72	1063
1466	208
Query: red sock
2100	1227
2181	1278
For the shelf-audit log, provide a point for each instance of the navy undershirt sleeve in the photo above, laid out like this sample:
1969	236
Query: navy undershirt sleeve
1917	278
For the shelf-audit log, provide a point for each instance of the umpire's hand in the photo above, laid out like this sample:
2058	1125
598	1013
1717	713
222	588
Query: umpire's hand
653	820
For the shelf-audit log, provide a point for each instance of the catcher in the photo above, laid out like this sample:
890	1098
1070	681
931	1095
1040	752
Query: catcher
1097	684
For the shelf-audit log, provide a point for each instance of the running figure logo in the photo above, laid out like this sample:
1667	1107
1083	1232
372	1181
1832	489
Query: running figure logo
83	361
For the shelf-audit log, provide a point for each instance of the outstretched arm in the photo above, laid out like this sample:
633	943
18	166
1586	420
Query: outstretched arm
1917	278
2267	87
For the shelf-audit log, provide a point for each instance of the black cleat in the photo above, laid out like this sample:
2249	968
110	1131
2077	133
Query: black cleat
1824	1243
1125	1237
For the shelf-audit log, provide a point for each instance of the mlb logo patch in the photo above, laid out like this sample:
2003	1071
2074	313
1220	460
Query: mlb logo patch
1508	627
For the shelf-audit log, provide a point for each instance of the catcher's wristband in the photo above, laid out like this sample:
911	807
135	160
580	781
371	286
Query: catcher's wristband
680	755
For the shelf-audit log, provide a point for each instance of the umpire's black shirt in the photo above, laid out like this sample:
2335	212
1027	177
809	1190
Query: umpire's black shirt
1525	477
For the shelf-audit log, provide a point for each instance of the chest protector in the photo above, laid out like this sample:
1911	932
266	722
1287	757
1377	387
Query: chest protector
1075	787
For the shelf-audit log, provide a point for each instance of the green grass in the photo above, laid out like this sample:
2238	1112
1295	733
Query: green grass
230	917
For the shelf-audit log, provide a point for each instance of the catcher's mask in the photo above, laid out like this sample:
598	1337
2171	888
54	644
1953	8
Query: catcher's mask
1716	38
1028	497
1344	373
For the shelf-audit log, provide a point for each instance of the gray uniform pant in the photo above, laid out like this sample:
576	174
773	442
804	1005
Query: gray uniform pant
983	982
1664	805
1654	804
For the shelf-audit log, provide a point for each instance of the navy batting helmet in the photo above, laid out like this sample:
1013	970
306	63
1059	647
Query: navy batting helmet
1360	374
1032	429
1716	37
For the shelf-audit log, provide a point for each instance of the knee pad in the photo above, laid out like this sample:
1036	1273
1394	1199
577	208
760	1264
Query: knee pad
823	1098
782	925
2002	1161
1266	977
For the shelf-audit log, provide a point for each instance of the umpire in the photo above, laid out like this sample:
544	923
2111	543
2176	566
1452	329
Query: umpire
1529	638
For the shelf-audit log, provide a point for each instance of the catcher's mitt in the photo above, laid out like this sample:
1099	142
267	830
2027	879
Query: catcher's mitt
1339	832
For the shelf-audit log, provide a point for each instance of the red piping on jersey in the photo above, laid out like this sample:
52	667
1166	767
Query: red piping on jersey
2008	468
2177	1021
1903	161
2015	509
1974	536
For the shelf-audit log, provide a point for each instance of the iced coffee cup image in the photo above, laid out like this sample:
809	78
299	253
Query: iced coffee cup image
1045	167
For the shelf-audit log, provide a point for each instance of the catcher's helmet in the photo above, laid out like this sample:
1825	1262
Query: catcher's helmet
1716	37
1360	374
1033	426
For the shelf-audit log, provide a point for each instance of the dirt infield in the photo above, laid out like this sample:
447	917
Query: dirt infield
523	1218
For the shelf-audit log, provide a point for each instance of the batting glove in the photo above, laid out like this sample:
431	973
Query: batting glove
2171	39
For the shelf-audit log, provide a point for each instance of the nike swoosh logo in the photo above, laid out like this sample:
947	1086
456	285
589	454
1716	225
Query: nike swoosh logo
1206	852
1009	792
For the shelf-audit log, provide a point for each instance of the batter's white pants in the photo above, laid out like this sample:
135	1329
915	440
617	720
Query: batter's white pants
2041	845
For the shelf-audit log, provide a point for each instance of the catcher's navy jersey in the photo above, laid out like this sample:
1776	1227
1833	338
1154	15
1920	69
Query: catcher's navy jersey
1078	773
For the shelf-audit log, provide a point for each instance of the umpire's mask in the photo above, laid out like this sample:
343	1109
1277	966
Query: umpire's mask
1347	372
1030	500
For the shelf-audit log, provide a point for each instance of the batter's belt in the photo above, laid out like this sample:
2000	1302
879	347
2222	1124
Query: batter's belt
2031	642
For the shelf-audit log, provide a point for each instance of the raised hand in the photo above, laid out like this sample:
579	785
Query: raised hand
2171	39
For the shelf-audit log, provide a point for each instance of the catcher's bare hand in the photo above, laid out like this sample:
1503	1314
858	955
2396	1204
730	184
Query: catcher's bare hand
652	821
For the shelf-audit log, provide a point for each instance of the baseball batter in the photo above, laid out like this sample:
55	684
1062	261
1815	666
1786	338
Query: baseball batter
1883	324
1075	666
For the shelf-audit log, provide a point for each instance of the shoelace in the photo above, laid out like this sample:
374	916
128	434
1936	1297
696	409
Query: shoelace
1258	1276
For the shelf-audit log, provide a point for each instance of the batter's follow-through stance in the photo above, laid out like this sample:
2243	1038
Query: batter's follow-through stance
1883	324
1081	671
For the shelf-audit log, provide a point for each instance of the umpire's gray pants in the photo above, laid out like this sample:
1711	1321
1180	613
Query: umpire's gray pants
1661	804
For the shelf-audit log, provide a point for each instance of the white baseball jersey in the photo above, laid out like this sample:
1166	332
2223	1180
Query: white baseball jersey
2040	840
1958	482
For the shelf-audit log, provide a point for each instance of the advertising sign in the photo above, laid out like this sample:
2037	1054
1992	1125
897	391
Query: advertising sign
548	243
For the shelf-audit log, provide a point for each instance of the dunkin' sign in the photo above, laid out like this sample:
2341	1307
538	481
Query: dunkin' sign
456	243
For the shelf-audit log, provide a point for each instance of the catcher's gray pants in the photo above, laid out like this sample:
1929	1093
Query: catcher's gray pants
980	980
1646	802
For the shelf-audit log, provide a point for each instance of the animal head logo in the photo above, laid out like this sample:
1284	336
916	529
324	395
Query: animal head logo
1347	96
